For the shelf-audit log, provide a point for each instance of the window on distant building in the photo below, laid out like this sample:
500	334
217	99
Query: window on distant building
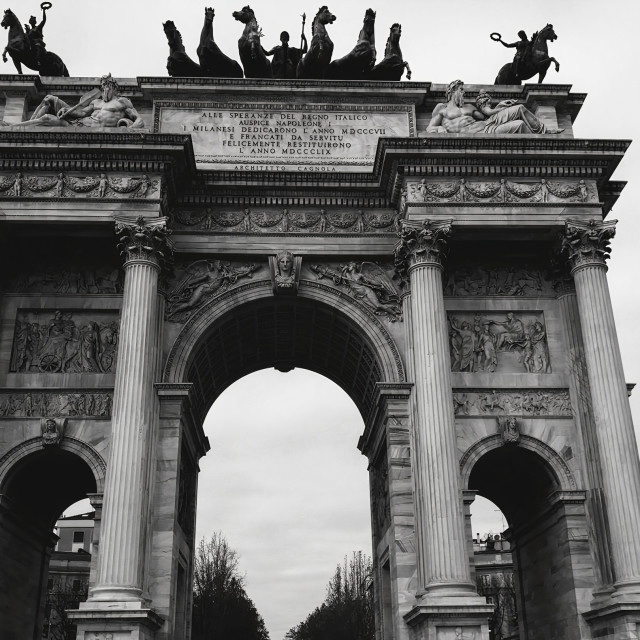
78	541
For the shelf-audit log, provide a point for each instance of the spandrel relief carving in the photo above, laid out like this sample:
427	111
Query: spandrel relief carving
508	343
497	281
367	282
67	279
63	185
502	191
509	402
55	404
198	282
65	342
288	221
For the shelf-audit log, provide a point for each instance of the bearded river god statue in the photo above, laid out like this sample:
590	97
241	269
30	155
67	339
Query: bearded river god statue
454	116
100	108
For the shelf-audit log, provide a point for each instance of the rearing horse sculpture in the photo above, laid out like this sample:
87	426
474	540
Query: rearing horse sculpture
213	62
22	53
360	60
252	55
538	61
392	66
315	62
179	63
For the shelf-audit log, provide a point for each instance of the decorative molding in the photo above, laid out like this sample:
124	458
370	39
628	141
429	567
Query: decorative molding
512	402
368	282
288	221
65	341
63	185
55	404
501	191
145	241
587	243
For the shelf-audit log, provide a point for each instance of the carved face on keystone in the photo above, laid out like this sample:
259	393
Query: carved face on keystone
285	263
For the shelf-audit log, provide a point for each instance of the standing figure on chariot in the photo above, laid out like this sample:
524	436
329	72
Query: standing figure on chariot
523	51
286	58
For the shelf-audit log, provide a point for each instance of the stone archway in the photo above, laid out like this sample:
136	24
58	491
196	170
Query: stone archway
536	492
244	332
36	485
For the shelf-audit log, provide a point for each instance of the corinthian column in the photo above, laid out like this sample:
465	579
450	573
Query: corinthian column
443	562
145	248
586	246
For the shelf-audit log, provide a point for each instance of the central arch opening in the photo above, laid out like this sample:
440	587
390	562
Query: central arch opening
339	361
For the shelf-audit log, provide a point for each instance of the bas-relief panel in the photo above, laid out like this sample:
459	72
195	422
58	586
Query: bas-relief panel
381	506
497	281
510	402
65	278
498	342
501	191
62	185
65	341
37	404
304	221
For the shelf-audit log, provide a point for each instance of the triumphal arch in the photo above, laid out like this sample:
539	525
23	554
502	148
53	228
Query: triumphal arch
438	251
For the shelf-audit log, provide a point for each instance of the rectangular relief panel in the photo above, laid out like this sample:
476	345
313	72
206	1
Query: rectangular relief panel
65	341
498	342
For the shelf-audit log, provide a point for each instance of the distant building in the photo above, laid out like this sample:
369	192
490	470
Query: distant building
68	579
495	581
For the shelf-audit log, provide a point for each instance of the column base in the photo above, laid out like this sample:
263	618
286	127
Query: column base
614	620
115	621
450	618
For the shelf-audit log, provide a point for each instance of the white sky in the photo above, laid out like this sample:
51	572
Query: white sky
284	480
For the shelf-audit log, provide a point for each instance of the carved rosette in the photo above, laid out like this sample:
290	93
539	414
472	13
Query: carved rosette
145	241
421	243
587	243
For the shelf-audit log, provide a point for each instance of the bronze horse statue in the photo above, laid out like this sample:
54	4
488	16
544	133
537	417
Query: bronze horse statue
392	66
23	53
537	61
252	55
179	63
315	62
213	62
357	64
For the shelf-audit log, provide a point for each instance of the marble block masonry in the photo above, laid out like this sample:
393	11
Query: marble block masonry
449	275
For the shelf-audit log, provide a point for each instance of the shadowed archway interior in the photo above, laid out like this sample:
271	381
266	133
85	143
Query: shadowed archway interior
284	333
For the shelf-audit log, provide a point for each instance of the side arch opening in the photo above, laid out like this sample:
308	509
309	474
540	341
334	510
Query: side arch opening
35	491
546	530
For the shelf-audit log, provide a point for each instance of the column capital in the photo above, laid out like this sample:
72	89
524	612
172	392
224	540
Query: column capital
586	243
421	243
145	240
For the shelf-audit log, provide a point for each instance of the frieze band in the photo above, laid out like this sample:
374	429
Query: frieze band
19	185
501	191
56	404
505	402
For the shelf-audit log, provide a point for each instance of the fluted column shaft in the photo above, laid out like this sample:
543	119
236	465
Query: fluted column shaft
587	246
127	495
442	549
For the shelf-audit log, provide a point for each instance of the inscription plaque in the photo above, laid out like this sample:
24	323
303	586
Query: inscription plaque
277	137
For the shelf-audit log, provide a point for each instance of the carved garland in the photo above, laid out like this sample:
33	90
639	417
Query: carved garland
66	186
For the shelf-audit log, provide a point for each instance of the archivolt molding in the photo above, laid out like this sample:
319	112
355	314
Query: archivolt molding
95	461
197	325
550	456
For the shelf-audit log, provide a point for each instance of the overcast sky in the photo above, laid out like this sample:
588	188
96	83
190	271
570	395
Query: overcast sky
284	480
